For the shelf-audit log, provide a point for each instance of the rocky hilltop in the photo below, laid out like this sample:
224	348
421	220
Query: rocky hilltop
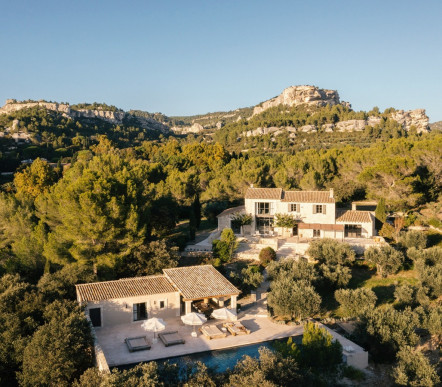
113	117
299	95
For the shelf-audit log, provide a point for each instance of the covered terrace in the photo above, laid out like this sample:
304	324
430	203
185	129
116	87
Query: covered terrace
202	283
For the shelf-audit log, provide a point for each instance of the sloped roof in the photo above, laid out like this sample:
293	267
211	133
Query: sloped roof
353	216
198	282
264	193
308	197
289	196
232	210
124	288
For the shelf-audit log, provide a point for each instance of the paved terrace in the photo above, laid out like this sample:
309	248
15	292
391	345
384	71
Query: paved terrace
115	350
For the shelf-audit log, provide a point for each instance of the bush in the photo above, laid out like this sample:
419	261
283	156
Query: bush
356	302
416	239
387	231
267	255
353	373
404	294
414	369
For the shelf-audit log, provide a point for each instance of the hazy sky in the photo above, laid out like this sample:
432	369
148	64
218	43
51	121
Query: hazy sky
194	56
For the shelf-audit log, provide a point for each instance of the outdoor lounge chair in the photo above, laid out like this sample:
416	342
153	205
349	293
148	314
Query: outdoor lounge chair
236	328
171	338
212	332
139	343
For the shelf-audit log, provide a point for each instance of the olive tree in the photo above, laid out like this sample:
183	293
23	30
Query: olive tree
296	299
356	302
387	259
414	369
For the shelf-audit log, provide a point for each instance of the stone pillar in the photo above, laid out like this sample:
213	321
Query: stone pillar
188	307
233	302
221	302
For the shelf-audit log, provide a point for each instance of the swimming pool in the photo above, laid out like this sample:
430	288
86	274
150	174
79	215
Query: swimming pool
221	360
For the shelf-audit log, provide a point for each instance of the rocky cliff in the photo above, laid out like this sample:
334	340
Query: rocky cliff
407	119
298	95
410	118
113	117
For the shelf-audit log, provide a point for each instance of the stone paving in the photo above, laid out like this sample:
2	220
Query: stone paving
111	339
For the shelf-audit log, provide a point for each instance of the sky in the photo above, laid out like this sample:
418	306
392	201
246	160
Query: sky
188	57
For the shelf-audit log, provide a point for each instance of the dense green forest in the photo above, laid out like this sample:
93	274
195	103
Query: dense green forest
117	209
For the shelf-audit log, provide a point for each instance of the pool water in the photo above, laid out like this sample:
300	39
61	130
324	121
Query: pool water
221	360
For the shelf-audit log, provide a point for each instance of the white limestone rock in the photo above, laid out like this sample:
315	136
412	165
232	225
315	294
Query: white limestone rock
298	95
417	118
350	126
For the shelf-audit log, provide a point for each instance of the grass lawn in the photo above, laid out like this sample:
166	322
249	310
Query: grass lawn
364	276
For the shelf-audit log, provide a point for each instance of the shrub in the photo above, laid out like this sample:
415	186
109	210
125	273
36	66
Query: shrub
414	369
356	302
267	255
416	239
404	294
387	231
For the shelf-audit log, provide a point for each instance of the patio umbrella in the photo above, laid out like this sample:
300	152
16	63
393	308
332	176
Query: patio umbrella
224	314
154	325
193	319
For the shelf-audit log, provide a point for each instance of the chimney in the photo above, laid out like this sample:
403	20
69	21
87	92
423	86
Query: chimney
331	193
251	185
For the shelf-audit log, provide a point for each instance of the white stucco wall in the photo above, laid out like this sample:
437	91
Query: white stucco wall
120	311
305	213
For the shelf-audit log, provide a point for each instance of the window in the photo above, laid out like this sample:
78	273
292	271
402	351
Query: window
293	207
140	311
353	231
264	208
318	209
316	233
95	316
264	225
162	304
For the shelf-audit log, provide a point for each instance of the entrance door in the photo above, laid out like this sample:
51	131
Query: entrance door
264	225
95	316
295	230
140	311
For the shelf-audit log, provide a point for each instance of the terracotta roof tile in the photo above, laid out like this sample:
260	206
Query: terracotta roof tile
353	216
123	288
264	193
198	282
308	197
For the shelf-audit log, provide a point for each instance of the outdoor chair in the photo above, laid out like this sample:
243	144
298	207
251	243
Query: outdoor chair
139	343
212	332
171	338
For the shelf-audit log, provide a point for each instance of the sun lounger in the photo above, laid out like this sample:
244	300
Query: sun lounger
236	328
137	343
212	332
171	338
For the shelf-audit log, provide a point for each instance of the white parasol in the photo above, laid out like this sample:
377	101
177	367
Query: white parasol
193	319
224	314
154	325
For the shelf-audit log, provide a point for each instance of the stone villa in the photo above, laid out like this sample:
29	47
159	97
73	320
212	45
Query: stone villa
315	212
168	295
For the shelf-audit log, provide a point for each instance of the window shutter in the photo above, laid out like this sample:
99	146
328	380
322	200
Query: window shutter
323	209
290	207
314	208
